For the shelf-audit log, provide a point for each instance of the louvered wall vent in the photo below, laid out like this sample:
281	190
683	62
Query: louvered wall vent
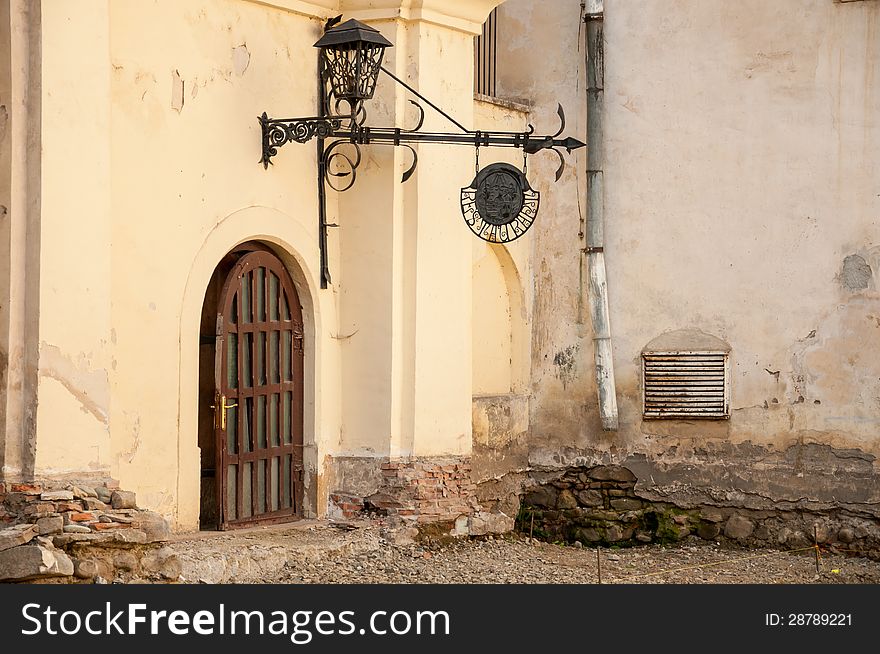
686	384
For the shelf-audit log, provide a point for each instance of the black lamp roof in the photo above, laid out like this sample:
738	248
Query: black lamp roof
350	32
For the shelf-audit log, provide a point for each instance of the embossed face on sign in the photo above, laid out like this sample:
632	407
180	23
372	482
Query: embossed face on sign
499	197
499	206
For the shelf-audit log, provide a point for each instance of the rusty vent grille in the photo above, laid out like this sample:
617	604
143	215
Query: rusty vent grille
686	384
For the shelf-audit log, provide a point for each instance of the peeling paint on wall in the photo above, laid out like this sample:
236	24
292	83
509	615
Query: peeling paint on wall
176	92
856	273
566	364
90	388
241	59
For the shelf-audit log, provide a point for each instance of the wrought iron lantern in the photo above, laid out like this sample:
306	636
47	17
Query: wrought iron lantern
499	205
351	58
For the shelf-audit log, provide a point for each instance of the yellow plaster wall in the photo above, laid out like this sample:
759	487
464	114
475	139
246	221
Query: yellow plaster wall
150	175
188	82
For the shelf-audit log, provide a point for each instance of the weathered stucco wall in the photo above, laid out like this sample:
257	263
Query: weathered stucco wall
743	201
148	176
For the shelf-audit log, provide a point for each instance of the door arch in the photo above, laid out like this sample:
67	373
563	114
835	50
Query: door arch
258	394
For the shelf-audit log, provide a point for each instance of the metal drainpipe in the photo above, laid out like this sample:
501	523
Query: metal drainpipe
595	239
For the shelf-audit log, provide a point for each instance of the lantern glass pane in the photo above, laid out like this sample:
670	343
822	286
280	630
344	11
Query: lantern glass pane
352	70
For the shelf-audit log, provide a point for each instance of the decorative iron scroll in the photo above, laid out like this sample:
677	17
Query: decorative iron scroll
499	206
300	130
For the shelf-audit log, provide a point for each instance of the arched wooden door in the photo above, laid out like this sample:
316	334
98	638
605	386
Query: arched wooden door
258	405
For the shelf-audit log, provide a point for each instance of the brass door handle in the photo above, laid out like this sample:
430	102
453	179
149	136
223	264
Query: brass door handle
223	407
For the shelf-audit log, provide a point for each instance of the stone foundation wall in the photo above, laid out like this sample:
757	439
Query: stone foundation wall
422	492
78	533
600	505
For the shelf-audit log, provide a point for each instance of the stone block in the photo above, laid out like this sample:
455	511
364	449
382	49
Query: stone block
94	505
76	529
626	504
128	536
17	535
711	515
483	523
590	498
61	507
56	496
611	473
83	492
616	533
32	562
566	500
123	500
708	530
588	534
103	494
738	527
543	496
125	561
85	569
104	526
50	525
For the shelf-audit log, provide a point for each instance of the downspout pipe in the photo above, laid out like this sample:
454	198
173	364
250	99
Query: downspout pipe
595	232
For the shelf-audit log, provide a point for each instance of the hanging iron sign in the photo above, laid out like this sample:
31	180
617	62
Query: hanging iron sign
499	206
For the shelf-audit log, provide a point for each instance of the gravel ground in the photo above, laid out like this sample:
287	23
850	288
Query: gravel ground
317	552
363	555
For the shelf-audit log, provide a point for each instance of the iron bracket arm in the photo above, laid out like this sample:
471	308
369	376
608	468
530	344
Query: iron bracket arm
278	131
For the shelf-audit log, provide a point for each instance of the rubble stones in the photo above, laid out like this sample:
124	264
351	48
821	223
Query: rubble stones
611	473
543	496
590	498
125	561
83	492
76	529
16	535
566	500
123	500
626	504
738	527
103	494
54	496
130	536
153	525
609	512
50	525
708	530
85	569
711	515
32	561
483	523
71	533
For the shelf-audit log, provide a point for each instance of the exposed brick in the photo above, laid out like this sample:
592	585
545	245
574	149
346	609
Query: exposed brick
27	489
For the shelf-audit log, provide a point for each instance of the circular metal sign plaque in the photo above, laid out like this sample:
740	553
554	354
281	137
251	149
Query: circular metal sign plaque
499	206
